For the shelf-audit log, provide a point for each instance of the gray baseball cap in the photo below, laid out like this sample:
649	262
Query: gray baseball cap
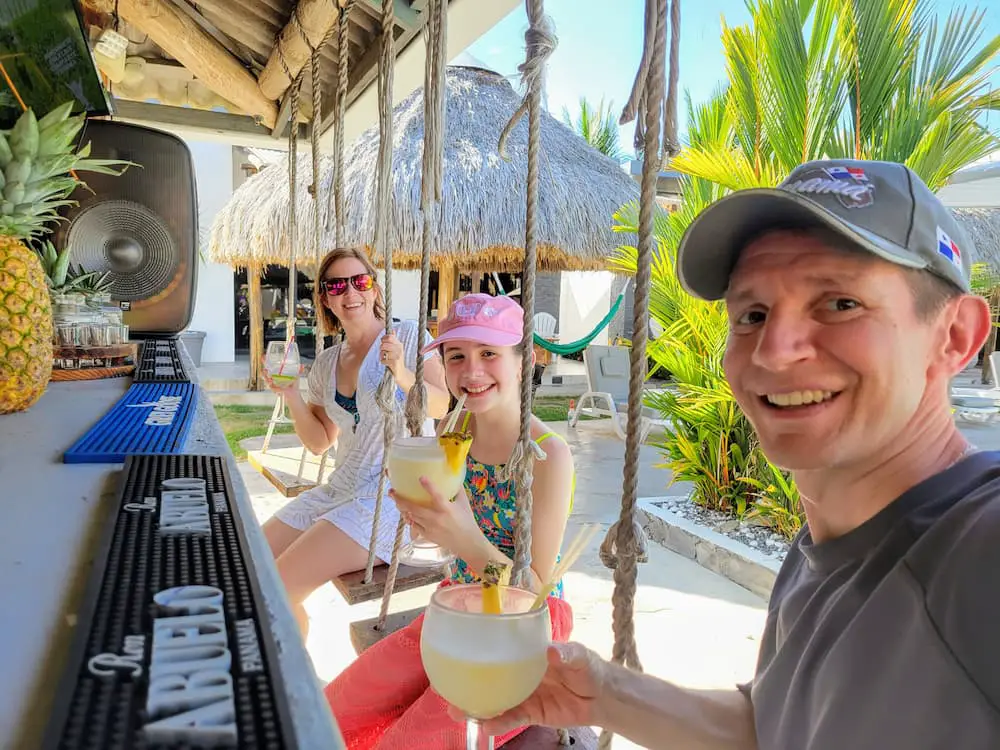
881	207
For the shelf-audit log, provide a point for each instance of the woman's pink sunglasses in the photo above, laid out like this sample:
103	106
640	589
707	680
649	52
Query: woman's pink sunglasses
363	282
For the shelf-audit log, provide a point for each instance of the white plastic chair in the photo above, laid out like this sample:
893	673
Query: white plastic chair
978	406
607	390
545	325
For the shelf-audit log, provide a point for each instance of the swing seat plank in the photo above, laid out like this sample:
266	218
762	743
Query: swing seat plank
355	591
544	738
364	634
287	483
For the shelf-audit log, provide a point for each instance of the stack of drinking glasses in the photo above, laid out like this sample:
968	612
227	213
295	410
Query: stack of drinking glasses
87	330
87	321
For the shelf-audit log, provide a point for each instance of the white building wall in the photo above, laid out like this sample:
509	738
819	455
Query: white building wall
405	293
214	310
585	298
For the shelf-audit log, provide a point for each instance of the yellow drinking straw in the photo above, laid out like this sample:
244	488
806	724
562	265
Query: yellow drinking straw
573	551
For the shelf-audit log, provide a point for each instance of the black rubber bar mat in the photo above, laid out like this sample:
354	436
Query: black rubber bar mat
173	647
160	362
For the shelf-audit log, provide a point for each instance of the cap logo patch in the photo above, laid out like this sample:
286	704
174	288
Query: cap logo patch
850	187
947	247
469	310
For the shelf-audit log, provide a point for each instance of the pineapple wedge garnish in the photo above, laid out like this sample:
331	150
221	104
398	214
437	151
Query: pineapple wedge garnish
456	448
495	575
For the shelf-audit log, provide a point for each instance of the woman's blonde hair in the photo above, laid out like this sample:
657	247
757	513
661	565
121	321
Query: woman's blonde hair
330	322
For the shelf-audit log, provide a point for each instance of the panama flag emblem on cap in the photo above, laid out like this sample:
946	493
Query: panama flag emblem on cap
847	173
947	248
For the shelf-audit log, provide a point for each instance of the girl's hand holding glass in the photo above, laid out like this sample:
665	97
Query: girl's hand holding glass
447	523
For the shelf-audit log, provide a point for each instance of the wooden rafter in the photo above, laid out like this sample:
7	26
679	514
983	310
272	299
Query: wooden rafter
311	18
234	48
183	39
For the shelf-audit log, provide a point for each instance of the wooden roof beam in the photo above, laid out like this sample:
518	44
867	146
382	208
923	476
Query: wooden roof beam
180	37
244	55
317	17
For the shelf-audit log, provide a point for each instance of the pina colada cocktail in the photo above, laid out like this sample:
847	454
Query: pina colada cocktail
484	663
488	683
415	457
441	460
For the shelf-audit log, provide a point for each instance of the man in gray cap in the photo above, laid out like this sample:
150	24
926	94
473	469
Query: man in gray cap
847	291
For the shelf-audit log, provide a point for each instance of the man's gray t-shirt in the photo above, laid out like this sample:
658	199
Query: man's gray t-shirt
888	638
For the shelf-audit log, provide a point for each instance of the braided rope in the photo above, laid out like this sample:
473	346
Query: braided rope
293	225
540	41
430	191
430	185
385	395
317	105
297	23
343	60
671	144
626	533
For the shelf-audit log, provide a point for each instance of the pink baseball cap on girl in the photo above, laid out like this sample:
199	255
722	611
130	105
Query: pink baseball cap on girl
482	319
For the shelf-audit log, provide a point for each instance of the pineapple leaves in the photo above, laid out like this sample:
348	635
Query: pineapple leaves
39	170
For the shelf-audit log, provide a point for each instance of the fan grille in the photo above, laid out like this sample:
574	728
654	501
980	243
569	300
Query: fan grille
97	229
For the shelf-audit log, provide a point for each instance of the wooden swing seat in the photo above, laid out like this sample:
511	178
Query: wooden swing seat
364	634
355	591
285	482
533	738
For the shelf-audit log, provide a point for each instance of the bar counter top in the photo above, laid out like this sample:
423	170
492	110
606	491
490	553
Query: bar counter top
49	532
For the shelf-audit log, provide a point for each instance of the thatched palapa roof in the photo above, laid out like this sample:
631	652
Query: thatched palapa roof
481	222
982	226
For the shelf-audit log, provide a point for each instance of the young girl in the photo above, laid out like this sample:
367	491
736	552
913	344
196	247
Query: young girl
383	700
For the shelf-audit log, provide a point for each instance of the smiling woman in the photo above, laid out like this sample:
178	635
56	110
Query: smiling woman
325	532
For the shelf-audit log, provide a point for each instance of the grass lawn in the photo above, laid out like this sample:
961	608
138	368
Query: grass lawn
240	422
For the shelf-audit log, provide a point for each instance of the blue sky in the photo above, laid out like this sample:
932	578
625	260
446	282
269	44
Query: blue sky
599	48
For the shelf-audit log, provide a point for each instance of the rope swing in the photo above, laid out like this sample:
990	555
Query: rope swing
540	41
430	194
385	394
624	545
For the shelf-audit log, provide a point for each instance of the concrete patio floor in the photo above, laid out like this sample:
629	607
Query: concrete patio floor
692	626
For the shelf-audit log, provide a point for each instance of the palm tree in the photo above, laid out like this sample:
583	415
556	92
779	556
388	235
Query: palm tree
806	79
597	126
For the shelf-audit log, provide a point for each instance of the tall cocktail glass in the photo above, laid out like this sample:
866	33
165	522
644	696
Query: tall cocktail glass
409	459
484	664
282	362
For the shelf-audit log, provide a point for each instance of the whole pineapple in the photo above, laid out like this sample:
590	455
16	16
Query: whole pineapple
36	157
25	327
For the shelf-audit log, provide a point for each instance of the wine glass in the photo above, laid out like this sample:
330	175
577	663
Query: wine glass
282	362
484	664
409	459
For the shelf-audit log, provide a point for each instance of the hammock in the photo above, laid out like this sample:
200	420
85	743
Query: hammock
580	344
